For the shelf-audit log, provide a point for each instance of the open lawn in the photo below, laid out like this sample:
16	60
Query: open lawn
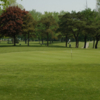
49	73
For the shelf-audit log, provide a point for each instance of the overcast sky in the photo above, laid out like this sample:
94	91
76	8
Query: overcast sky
57	5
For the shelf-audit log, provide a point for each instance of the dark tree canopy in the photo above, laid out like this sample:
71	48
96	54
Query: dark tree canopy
64	22
11	21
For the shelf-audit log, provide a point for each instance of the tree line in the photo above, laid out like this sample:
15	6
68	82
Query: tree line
83	25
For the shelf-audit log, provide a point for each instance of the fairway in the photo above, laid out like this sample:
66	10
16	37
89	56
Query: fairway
49	73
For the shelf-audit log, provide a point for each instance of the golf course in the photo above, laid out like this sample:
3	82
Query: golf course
38	72
50	50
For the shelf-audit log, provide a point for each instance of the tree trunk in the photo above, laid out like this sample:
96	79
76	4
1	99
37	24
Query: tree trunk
28	38
96	45
52	40
47	39
14	40
62	39
66	41
39	40
42	40
77	43
8	40
85	41
25	39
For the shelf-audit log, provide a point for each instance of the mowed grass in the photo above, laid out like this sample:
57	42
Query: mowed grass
49	73
54	44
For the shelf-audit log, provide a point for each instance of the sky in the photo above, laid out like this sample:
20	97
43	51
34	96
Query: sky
57	5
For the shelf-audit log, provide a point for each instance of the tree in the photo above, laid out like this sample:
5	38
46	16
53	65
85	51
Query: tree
98	5
96	35
4	3
76	25
64	22
55	16
28	25
40	31
88	16
7	3
11	22
49	26
62	12
36	15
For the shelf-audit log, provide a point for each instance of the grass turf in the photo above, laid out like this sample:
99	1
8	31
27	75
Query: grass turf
49	73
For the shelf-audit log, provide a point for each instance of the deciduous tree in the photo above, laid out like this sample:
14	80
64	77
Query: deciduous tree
88	16
11	22
49	26
64	22
7	3
76	25
28	25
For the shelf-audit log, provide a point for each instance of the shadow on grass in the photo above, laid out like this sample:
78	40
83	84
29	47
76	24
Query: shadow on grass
51	46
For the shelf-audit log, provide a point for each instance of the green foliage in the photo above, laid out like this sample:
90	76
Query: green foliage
28	26
7	3
49	26
64	22
36	15
28	23
4	3
78	24
83	25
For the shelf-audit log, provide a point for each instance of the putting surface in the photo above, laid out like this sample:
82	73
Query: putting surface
49	73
